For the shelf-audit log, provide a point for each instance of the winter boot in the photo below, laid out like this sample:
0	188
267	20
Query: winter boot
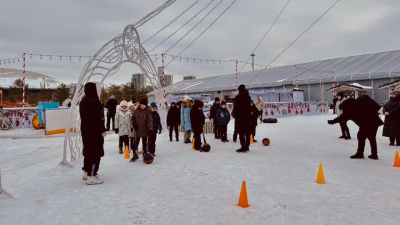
85	176
358	155
170	138
397	144
254	140
94	180
341	137
373	156
177	138
243	150
120	150
391	144
347	138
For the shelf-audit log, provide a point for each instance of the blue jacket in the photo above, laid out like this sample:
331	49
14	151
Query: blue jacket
223	116
185	118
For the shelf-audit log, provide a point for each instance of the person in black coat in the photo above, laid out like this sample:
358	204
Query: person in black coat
173	121
391	109
364	113
111	106
242	113
335	99
213	115
93	133
254	119
197	120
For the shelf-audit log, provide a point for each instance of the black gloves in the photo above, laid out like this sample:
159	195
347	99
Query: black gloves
116	130
331	122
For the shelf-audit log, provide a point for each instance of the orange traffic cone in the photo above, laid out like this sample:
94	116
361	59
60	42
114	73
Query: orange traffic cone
397	160
193	143
243	202
127	156
320	177
251	139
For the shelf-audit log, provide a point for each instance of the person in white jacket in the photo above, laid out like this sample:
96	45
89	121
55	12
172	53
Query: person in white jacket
260	106
343	124
124	125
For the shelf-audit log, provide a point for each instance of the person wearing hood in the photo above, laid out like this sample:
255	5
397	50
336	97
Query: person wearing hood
173	121
254	119
343	125
223	117
213	116
93	133
185	120
179	103
124	125
260	106
197	120
242	112
111	106
391	127
142	123
364	113
157	127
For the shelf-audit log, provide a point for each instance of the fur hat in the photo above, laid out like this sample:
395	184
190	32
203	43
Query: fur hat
187	98
124	103
397	93
144	101
153	105
216	99
130	104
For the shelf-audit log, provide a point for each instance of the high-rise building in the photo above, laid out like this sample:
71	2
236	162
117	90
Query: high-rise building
138	80
189	78
169	79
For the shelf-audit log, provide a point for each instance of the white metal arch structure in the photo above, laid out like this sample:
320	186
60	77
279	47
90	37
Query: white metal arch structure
125	48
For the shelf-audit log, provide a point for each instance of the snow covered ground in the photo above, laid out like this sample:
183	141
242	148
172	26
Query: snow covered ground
184	186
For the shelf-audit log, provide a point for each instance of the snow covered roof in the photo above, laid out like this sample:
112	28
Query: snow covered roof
390	85
33	79
352	68
353	86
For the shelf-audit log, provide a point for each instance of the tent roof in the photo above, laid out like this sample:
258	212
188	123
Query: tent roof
32	79
361	67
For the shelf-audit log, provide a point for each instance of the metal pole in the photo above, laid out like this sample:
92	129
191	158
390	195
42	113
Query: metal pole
252	60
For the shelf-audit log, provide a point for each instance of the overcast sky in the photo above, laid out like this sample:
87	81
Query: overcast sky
77	27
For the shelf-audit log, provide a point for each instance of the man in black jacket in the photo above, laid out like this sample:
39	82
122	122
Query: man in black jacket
93	133
364	113
173	120
197	120
242	112
213	115
111	110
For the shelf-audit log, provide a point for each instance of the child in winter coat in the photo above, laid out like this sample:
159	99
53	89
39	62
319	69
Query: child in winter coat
123	122
185	119
223	117
253	120
173	121
156	127
197	120
142	123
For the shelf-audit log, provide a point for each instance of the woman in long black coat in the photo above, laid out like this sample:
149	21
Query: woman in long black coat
197	120
93	133
391	109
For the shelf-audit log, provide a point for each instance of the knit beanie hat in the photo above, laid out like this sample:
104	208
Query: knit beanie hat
241	87
187	98
144	101
123	103
153	105
130	104
216	99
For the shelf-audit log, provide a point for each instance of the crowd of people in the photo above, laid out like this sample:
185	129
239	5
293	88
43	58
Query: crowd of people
136	122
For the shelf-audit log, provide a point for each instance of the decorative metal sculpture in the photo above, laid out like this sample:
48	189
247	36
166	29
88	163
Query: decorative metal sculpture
125	48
